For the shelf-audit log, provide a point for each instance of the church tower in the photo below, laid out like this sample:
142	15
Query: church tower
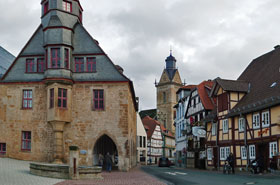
167	87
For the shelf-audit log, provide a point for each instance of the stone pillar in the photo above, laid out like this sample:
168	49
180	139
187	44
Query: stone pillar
58	141
74	162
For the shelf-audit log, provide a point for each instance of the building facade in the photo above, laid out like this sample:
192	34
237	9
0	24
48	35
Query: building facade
63	90
155	139
167	87
169	146
247	118
180	124
199	106
141	142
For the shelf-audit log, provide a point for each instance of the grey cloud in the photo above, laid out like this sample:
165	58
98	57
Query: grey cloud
210	38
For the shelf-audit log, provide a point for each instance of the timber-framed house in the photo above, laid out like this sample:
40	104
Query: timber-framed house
246	121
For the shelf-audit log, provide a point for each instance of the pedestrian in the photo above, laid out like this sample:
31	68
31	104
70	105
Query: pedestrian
109	162
100	160
230	160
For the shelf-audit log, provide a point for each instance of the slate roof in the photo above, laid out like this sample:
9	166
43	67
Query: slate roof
233	85
6	59
263	76
171	73
152	113
204	89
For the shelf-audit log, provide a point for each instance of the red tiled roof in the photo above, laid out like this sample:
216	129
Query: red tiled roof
150	124
204	95
190	87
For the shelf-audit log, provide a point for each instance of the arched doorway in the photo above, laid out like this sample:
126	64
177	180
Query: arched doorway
102	146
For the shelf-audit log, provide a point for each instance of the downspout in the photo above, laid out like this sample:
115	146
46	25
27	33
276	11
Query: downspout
218	152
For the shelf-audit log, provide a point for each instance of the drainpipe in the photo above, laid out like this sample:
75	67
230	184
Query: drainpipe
217	133
245	142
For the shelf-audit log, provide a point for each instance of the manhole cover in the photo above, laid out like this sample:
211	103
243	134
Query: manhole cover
250	183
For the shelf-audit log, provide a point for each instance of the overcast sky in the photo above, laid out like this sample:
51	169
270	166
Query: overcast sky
210	38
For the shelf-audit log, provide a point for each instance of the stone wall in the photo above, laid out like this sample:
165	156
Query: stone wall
118	121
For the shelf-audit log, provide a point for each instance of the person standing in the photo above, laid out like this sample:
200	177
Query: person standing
109	162
230	160
101	159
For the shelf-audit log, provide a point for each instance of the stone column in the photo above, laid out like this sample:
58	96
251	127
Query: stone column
58	141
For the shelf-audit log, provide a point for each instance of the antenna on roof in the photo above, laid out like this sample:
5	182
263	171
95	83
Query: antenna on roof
170	49
184	82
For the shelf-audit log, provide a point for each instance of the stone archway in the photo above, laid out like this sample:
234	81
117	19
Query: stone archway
103	145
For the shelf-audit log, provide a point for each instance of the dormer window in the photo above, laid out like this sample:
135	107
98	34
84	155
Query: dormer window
67	6
46	7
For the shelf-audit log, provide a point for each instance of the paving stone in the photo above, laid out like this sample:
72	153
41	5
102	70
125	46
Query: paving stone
16	172
134	176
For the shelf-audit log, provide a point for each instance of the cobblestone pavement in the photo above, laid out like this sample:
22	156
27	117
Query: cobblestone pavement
15	172
134	176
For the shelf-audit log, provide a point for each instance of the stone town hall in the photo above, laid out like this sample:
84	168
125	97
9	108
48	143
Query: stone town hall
63	90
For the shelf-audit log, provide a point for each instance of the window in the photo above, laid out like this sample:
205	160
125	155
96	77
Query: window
79	64
256	121
67	6
209	154
214	129
144	141
265	119
222	153
51	98
26	141
46	57
30	66
164	97
194	103
40	65
66	58
225	126
140	141
98	99
241	124
91	64
222	102
227	151
273	150
252	152
27	99
243	152
62	98
2	148
55	58
46	7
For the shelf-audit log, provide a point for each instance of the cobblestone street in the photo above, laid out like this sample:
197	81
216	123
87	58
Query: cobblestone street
16	172
134	176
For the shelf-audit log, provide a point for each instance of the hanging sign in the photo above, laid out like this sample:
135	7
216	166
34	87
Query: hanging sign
199	132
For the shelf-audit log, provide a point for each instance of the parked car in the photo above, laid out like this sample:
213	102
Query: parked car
164	162
172	162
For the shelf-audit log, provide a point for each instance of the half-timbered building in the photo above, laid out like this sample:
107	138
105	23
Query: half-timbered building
246	121
155	139
199	105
